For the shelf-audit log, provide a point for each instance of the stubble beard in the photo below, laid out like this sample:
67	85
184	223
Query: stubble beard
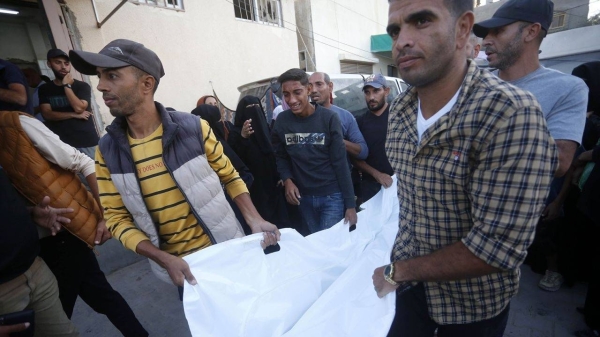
440	62
378	107
509	56
58	75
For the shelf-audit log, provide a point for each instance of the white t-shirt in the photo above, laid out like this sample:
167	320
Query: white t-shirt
277	110
424	124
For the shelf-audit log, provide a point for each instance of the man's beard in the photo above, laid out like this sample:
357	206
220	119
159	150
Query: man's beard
378	107
507	57
58	75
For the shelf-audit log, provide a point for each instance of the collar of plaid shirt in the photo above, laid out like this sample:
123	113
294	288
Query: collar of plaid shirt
480	175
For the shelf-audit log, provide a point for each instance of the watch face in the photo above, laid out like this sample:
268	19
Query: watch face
388	270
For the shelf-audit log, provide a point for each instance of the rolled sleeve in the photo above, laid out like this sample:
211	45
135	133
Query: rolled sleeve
54	150
509	187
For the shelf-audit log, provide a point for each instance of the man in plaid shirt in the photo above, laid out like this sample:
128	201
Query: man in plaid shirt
474	161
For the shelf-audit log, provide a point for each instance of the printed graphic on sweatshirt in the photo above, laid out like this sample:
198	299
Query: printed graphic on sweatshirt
305	139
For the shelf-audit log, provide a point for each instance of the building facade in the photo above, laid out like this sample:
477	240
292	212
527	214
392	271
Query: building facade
204	45
335	36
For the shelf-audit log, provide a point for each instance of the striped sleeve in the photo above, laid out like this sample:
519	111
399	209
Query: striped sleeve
118	219
221	164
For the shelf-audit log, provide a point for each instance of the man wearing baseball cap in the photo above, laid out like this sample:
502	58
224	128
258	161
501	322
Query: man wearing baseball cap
65	105
160	172
512	39
376	169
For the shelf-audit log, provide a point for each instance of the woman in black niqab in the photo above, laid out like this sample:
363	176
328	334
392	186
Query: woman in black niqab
256	151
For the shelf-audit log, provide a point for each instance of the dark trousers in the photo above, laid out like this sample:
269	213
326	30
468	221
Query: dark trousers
369	188
77	271
412	319
592	298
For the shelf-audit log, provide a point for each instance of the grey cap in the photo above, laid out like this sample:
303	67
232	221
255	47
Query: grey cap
117	54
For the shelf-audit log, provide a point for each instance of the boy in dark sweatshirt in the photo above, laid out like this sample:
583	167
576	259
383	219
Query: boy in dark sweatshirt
311	157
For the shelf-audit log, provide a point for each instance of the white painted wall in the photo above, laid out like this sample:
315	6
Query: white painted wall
201	44
343	29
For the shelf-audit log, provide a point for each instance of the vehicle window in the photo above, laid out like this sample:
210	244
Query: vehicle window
393	90
347	94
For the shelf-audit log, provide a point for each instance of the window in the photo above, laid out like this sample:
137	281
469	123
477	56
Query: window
173	4
558	21
355	68
392	71
263	11
303	60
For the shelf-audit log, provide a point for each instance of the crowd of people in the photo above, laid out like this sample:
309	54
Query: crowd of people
493	168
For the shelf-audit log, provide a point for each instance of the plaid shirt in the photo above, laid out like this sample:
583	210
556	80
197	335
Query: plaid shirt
480	175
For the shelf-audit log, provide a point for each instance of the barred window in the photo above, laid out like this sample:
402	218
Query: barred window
558	20
262	11
172	4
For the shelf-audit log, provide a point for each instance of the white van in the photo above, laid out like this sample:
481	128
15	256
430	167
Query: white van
347	92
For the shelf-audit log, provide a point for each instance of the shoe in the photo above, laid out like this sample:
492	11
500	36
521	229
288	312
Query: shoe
551	281
587	333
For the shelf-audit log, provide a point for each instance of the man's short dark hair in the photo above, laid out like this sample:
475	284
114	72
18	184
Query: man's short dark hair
456	7
139	73
294	74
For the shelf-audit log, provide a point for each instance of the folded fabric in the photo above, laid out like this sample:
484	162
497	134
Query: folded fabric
317	285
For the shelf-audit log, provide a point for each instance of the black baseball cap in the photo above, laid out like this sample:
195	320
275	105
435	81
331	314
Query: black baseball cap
534	11
117	54
52	53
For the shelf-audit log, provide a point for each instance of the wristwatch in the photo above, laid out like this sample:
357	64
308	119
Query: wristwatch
67	85
388	274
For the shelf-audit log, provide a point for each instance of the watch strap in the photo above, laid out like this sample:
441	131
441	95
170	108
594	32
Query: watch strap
389	276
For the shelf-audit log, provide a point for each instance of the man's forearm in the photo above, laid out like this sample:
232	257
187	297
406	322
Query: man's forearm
147	249
58	116
352	148
11	96
566	154
453	262
364	167
93	184
244	203
77	104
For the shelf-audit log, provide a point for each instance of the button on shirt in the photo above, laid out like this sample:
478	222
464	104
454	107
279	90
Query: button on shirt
480	175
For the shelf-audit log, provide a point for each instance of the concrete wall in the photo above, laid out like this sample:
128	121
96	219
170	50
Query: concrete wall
305	33
201	44
343	29
567	49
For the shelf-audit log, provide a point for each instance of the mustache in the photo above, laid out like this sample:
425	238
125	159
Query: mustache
407	52
373	101
489	50
107	96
